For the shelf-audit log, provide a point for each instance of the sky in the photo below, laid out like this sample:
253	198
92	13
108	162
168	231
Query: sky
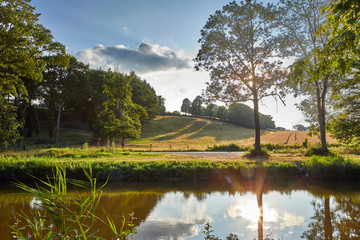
158	39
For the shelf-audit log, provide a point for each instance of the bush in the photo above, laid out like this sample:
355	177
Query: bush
318	151
229	147
253	153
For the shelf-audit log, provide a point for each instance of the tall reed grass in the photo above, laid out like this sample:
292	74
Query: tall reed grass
60	215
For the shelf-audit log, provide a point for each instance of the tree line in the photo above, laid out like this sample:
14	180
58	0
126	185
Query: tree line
36	71
236	113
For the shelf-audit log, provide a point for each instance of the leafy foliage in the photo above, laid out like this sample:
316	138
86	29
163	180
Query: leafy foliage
120	117
345	126
8	124
342	50
23	46
144	95
186	106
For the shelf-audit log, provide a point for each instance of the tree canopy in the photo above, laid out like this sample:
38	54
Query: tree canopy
120	117
24	45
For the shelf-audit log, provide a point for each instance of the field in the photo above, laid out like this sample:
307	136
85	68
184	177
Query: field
180	133
189	133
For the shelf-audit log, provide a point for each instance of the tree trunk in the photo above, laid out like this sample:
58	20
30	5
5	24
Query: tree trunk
122	142
257	124
58	115
320	98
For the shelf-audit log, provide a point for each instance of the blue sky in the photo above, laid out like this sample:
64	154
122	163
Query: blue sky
156	38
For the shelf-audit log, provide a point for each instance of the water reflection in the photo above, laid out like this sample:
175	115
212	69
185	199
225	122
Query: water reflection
252	210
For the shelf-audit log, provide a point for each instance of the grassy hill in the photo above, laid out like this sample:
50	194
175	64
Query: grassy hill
183	133
180	133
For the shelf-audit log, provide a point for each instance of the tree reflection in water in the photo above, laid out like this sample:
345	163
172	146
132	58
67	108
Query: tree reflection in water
259	187
336	216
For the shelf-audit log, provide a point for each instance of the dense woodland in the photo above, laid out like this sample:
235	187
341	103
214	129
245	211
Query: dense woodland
240	47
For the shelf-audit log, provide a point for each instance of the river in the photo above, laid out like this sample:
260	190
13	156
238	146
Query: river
288	209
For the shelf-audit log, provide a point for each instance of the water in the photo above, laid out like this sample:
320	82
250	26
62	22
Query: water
251	210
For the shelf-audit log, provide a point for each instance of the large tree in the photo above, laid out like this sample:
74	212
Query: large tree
59	81
304	28
238	48
23	44
120	117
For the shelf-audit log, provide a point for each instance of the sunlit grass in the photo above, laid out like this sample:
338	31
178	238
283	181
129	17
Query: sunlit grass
186	133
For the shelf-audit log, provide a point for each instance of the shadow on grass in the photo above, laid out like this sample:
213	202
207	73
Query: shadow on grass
223	132
194	126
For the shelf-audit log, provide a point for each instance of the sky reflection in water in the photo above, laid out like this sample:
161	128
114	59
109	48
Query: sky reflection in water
181	212
184	217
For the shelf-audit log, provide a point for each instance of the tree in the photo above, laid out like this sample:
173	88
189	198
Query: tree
211	110
23	45
120	117
186	106
303	26
144	95
196	106
266	122
222	113
342	50
58	84
238	46
345	126
161	106
8	125
241	114
300	127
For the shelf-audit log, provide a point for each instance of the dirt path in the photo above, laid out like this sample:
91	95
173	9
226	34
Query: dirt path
209	154
230	156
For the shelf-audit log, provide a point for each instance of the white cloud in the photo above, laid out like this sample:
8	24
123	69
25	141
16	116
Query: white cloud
144	58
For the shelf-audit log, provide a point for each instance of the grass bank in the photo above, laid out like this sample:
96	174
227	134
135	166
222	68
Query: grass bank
143	166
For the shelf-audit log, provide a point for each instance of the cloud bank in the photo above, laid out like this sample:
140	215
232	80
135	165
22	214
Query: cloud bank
144	58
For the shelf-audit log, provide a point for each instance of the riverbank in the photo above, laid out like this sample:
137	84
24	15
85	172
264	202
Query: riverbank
140	166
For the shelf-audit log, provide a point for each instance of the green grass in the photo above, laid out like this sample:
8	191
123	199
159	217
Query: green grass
333	167
184	133
227	147
123	166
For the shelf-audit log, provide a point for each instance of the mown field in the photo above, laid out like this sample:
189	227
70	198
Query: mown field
187	133
178	133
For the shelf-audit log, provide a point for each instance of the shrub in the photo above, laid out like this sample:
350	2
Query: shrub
253	153
227	147
318	151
